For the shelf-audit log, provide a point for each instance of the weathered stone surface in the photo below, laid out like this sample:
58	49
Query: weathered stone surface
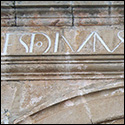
98	3
117	2
80	109
8	93
91	3
98	15
40	40
7	16
80	35
34	96
44	22
43	12
67	3
68	112
39	16
87	12
108	107
62	3
7	13
94	40
62	67
7	22
67	13
98	21
117	11
119	121
42	3
62	62
7	3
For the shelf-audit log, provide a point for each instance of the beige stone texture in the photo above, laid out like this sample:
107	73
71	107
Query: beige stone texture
44	22
73	3
87	12
68	112
7	14
46	12
117	11
42	3
7	22
98	21
85	3
7	3
8	93
91	108
62	62
63	13
38	16
108	107
34	96
119	121
117	2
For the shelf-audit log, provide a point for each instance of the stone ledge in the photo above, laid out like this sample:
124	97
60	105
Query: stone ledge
35	15
67	3
60	3
7	3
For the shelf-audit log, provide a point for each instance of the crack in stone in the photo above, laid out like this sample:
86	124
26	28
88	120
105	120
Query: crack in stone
72	16
87	109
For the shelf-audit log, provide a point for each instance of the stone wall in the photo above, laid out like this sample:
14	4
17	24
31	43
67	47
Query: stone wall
62	62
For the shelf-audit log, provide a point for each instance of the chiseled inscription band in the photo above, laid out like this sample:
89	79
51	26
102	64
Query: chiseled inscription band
39	44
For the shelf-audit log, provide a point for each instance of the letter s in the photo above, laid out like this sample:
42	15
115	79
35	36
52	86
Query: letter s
24	44
122	39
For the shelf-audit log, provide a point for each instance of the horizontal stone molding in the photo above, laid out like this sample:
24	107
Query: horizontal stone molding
61	13
62	67
60	3
98	12
98	21
7	3
44	12
65	3
25	55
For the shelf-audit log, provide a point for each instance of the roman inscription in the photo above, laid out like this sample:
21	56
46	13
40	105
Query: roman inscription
101	41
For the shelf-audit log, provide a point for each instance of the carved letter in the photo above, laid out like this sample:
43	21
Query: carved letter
103	43
33	38
122	40
100	39
32	43
67	43
83	44
6	44
24	44
56	42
